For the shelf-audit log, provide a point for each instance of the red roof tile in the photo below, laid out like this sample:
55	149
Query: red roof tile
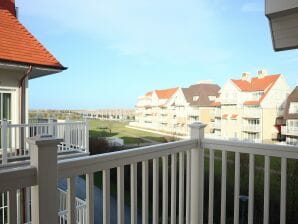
166	93
256	84
17	45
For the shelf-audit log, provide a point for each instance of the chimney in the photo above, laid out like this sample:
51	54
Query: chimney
8	5
245	76
262	73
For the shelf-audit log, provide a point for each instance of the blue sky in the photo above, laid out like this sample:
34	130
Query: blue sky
117	50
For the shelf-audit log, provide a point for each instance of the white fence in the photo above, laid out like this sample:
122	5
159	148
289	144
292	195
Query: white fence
184	203
75	137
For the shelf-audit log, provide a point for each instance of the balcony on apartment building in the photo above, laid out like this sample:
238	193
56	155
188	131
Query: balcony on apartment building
251	128
74	135
217	112
183	171
288	130
252	113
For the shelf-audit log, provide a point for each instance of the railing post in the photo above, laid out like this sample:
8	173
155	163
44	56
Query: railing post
197	175
87	135
51	126
4	131
44	194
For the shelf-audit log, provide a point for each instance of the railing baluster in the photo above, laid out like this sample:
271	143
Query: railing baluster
266	189
188	170
90	197
165	190
237	188
155	191
283	190
173	187
211	186
106	196
133	193
71	200
181	188
4	131
251	189
223	187
12	206
120	194
145	192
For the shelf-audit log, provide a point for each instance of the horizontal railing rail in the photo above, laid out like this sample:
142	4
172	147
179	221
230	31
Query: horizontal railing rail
90	164
176	172
13	144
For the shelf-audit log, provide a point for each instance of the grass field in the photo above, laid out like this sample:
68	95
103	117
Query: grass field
99	128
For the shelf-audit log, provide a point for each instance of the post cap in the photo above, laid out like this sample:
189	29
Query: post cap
198	125
44	140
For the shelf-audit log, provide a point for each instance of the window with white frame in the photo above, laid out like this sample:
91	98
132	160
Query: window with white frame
293	108
195	98
212	98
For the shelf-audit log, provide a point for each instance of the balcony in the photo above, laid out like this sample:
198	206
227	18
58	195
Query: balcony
74	135
286	130
252	113
251	128
183	171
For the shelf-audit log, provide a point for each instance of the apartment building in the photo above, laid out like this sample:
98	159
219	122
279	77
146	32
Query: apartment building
290	129
172	110
248	107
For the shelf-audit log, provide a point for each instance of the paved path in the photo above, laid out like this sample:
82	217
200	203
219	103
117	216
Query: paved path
81	193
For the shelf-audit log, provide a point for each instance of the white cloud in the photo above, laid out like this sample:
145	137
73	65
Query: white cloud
253	7
168	29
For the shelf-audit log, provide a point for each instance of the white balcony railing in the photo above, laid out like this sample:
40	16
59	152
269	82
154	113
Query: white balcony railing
13	144
252	113
182	170
251	128
286	130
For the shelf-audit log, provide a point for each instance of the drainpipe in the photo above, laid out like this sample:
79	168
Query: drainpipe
22	119
22	86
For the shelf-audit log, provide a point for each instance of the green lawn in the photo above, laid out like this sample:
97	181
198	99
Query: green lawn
99	128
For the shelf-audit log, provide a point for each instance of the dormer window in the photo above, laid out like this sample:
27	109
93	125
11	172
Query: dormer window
212	98
293	108
195	98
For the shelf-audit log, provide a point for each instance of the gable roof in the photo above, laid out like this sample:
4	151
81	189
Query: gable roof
203	91
18	45
166	93
293	97
149	93
256	84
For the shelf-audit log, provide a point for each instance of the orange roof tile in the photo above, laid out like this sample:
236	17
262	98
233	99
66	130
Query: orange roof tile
215	104
149	93
225	116
256	84
234	116
17	45
166	93
252	103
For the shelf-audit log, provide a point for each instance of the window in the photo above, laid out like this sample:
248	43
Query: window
195	98
212	98
5	106
293	108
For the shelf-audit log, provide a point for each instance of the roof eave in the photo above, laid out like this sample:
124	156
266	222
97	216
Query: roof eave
37	71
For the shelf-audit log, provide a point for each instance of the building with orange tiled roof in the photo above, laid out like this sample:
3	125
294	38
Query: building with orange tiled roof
172	110
250	107
22	57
